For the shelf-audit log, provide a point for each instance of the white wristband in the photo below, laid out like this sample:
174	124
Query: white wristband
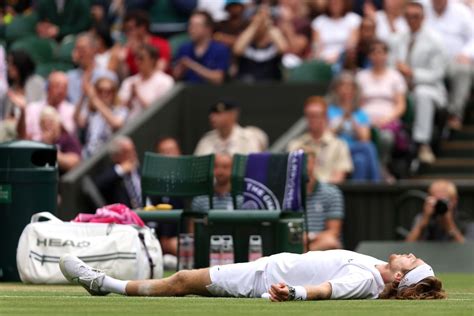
300	293
297	293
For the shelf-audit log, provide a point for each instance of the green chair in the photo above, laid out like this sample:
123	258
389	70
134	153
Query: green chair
65	49
176	41
183	176
21	26
311	71
41	50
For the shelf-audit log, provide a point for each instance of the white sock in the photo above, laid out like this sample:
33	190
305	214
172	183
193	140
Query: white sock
113	285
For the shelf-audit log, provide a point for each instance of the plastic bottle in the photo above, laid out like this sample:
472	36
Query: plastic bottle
190	244
215	250
186	245
255	247
227	253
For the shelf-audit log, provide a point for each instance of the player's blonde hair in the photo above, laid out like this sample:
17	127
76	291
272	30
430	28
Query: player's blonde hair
430	288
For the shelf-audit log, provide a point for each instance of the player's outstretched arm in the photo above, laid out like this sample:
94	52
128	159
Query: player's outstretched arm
282	292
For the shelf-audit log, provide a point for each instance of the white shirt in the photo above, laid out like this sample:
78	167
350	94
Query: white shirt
378	93
150	90
384	31
454	26
240	141
334	33
33	115
351	275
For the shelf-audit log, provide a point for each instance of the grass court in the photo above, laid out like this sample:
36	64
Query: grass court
21	299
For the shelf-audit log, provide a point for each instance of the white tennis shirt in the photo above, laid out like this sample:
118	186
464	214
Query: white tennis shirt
351	275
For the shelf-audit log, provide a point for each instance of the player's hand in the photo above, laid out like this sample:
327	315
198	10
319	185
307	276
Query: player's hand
278	292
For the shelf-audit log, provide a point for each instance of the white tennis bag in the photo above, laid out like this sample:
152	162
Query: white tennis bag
122	251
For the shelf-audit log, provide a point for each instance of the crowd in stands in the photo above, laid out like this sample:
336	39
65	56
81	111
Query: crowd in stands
389	60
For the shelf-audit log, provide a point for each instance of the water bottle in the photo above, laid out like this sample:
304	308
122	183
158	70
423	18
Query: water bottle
227	253
255	247
215	251
190	245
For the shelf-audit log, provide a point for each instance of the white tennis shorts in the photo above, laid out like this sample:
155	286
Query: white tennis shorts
239	279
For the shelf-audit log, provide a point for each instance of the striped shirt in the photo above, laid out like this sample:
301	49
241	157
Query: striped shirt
220	202
323	204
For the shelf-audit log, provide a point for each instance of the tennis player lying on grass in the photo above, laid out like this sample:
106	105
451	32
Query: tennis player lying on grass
315	275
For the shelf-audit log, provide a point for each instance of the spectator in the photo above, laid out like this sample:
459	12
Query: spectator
120	183
453	23
333	160
383	98
24	85
168	146
53	133
202	59
438	218
357	57
422	61
228	30
137	31
325	211
259	49
390	21
334	31
227	135
317	8
294	23
260	136
103	116
222	199
83	55
108	54
353	126
29	123
61	18
138	92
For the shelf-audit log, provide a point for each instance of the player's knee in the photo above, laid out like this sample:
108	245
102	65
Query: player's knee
180	281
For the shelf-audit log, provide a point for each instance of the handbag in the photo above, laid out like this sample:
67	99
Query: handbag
124	252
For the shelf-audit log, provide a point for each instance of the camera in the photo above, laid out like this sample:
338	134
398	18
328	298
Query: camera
441	207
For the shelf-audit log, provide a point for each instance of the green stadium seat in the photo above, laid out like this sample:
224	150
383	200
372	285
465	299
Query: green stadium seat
183	176
310	71
176	41
21	26
41	50
65	49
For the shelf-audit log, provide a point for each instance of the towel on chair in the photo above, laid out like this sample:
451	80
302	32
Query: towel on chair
273	181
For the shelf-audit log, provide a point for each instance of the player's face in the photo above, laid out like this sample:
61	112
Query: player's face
404	262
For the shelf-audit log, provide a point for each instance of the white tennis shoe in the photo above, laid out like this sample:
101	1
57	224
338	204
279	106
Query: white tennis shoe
76	271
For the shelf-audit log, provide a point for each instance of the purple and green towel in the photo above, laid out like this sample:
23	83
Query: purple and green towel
273	181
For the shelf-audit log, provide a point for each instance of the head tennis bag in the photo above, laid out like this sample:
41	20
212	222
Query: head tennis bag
122	251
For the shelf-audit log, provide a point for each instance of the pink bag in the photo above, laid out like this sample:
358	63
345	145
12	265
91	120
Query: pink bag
113	213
